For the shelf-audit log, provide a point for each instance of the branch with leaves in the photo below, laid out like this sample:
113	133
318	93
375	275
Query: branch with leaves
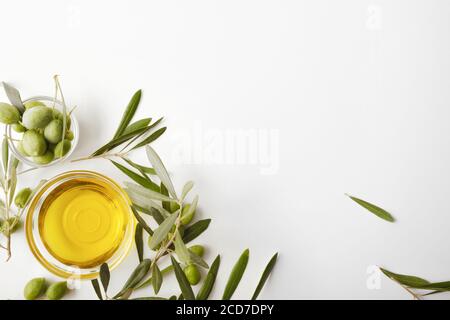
172	214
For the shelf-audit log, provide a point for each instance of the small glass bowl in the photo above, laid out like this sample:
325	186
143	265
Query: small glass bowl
12	135
40	251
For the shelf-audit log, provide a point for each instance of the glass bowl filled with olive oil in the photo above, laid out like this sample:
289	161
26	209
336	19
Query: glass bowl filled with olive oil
78	220
54	149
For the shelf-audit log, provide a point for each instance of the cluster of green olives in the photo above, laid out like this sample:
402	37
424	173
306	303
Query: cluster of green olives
42	129
36	287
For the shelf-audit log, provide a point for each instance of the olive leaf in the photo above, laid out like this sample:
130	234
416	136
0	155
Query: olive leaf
5	154
119	140
236	275
187	187
146	203
137	125
129	113
407	280
142	180
197	260
193	231
379	212
155	135
147	193
183	282
97	290
164	191
181	250
138	239
140	135
161	171
104	276
149	280
149	298
265	276
13	178
208	284
151	212
157	278
142	169
14	96
141	221
163	229
135	278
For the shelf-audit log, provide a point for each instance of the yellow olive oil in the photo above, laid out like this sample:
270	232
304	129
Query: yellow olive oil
83	221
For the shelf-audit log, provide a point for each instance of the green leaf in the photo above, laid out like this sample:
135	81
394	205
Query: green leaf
164	191
14	97
137	125
129	113
13	178
147	193
183	282
157	278
407	280
379	212
143	181
119	140
236	275
104	276
187	187
147	204
208	284
97	290
193	231
164	228
141	221
5	154
195	259
161	171
135	278
265	275
149	280
155	135
142	134
150	298
181	250
139	241
438	286
142	169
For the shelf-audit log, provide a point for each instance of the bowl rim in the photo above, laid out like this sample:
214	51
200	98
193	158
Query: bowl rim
26	160
31	214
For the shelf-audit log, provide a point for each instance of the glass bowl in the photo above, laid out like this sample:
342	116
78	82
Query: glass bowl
39	249
12	135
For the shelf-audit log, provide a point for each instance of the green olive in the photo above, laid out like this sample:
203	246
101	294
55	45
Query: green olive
33	143
47	157
56	291
197	250
19	148
187	217
51	147
62	148
53	131
34	288
192	274
37	117
22	197
59	115
8	113
69	135
17	127
31	104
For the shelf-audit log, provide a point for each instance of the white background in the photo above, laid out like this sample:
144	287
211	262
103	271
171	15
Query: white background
356	90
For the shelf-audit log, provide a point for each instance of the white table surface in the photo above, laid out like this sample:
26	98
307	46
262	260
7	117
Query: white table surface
350	96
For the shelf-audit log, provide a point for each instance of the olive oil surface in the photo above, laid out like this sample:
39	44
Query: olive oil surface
82	222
